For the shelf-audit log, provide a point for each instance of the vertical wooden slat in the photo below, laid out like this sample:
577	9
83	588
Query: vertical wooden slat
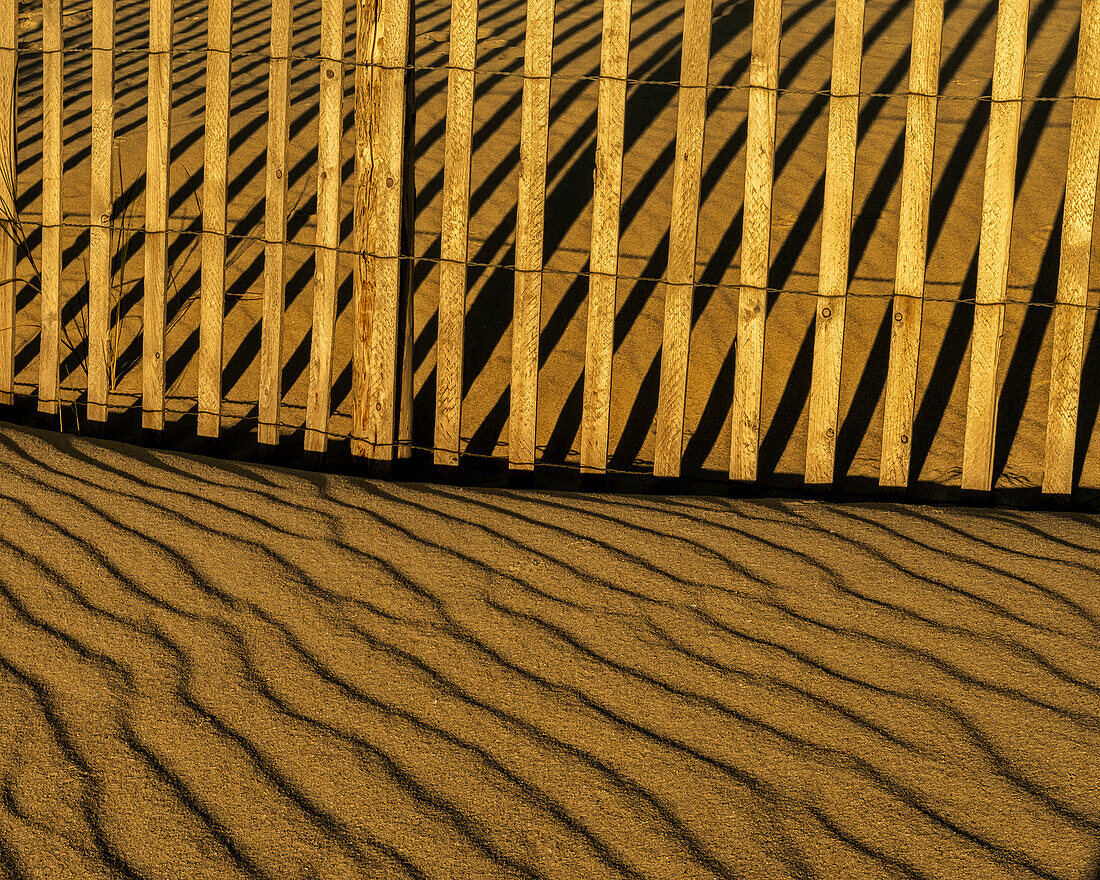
271	330
836	231
604	252
368	37
1073	272
219	42
756	237
330	125
100	199
48	355
8	226
527	307
453	249
374	414
997	204
916	191
156	213
691	115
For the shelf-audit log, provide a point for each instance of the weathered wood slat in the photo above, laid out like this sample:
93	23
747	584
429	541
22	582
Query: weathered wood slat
604	252
997	204
916	191
526	311
100	201
374	414
329	130
453	248
1073	274
156	213
836	232
271	328
756	236
691	114
215	166
49	354
8	227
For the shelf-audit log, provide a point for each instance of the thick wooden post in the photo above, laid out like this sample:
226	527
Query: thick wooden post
756	239
329	129
271	329
836	233
48	354
453	248
691	117
916	192
1073	272
219	43
9	251
101	196
380	196
997	204
527	307
156	213
604	251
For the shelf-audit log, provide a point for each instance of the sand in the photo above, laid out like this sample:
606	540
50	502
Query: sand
220	670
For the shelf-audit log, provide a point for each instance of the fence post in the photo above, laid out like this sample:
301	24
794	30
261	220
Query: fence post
836	233
996	232
329	130
48	353
691	117
156	213
1073	273
527	307
916	191
381	190
454	244
219	43
271	328
9	251
101	196
604	251
756	239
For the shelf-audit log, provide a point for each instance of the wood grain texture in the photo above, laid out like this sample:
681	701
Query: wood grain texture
997	203
1073	274
527	307
215	165
101	192
374	415
691	114
156	213
50	315
453	248
329	129
604	250
916	192
271	329
367	56
836	232
756	236
8	214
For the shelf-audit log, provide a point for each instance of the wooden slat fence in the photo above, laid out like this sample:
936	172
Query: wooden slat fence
381	360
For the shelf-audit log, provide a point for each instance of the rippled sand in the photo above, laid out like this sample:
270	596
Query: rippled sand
220	670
